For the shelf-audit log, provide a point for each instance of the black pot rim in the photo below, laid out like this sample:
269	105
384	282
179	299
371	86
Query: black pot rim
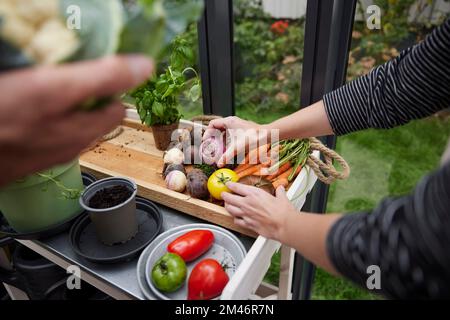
130	183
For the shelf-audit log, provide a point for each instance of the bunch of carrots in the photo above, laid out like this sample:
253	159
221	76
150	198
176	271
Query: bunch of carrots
280	166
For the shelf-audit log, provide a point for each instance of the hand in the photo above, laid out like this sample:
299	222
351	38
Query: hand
40	125
257	210
237	144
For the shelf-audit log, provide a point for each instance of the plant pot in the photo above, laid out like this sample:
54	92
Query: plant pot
33	273
117	224
163	134
35	202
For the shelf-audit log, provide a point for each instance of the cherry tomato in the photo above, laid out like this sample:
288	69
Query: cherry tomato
207	280
217	182
192	244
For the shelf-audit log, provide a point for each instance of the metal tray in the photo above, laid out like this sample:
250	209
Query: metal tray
227	249
85	243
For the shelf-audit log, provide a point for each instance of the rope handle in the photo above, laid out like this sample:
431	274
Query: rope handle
325	171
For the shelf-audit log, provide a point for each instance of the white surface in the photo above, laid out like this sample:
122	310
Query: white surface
292	9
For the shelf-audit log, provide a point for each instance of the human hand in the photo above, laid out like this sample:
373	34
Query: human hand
237	142
259	211
40	125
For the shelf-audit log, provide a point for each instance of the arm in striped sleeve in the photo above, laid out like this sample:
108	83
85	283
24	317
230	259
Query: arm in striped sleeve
407	238
414	85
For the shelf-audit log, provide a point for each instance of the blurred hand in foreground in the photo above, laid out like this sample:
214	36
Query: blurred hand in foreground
40	125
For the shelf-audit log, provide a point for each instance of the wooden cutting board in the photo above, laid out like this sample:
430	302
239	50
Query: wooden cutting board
133	155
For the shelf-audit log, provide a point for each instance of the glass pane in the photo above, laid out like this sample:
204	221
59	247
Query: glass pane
385	163
268	44
190	108
182	56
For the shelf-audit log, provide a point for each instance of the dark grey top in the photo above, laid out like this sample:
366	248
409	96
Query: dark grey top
408	237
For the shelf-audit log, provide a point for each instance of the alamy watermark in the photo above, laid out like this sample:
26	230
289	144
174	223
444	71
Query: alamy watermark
373	282
373	21
73	21
74	280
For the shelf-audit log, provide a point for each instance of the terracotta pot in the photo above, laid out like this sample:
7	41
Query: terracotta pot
163	134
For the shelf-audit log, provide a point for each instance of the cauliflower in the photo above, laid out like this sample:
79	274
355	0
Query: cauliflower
37	12
53	43
37	28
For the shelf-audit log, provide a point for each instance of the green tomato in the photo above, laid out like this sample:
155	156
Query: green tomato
169	272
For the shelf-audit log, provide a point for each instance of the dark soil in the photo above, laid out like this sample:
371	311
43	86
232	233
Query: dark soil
110	197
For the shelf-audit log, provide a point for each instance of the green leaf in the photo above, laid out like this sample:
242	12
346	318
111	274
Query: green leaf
158	109
142	113
153	25
148	119
195	92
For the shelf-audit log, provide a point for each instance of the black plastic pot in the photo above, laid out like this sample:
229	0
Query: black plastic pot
117	224
59	291
32	273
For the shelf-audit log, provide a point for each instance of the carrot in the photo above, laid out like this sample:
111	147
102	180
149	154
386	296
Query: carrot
280	182
252	155
242	167
252	170
255	153
263	170
287	173
280	170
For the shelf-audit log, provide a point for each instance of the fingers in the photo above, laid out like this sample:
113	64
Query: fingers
240	223
227	156
233	210
232	199
241	189
65	86
93	125
281	192
214	126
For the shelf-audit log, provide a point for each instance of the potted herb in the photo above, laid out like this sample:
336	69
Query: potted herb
157	100
43	199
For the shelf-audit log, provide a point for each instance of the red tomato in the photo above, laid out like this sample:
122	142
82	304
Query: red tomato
192	244
207	280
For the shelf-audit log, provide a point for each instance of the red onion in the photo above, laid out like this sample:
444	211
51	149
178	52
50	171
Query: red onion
212	149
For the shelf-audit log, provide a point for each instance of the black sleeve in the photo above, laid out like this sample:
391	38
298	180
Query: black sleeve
414	85
407	237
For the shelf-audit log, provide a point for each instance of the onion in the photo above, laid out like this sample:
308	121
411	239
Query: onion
172	167
174	156
176	181
212	149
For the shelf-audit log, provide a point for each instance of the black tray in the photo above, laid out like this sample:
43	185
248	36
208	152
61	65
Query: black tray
85	243
8	232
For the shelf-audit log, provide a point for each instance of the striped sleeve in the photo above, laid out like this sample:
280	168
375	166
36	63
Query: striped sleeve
414	85
406	238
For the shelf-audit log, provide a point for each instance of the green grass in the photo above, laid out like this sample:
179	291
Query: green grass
383	163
